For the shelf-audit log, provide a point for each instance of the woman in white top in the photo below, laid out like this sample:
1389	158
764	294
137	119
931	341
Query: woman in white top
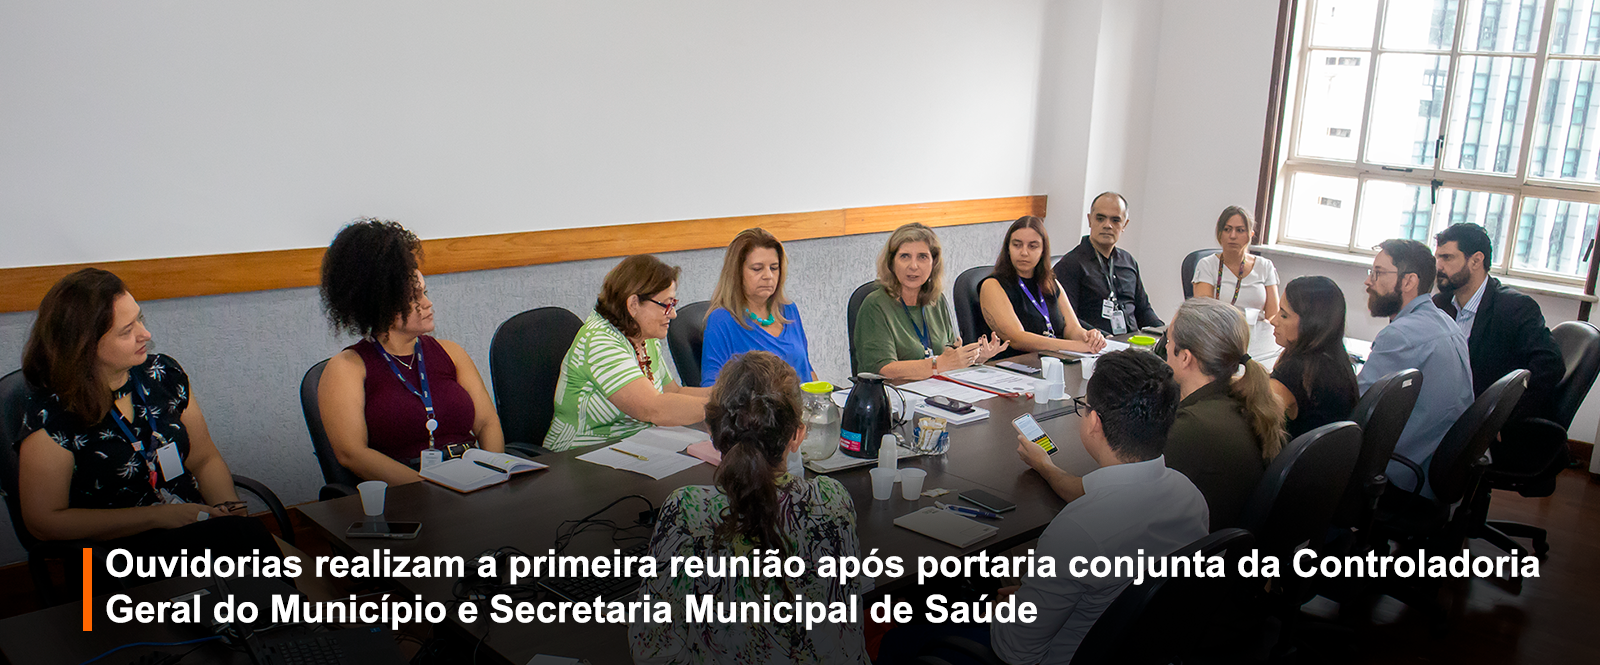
1242	279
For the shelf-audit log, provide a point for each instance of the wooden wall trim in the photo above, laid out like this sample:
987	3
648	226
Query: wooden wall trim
187	276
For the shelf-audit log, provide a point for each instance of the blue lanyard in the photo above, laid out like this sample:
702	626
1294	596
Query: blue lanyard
1039	304
924	332
422	373
146	453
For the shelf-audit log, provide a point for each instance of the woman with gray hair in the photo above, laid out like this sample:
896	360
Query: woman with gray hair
1227	428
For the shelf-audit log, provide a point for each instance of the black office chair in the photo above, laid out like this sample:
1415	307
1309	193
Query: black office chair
1381	414
338	481
969	312
684	338
525	358
1415	522
1531	453
1300	490
856	298
1187	271
14	393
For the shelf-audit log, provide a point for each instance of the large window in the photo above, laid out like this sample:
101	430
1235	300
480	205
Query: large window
1406	116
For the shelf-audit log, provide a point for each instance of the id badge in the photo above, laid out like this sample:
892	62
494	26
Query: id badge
1119	324
170	462
1108	308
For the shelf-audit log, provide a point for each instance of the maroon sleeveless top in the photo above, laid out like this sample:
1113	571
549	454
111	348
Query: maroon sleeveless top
396	421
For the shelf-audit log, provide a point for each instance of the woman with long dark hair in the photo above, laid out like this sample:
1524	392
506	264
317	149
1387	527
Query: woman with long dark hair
114	445
755	419
1023	303
1313	377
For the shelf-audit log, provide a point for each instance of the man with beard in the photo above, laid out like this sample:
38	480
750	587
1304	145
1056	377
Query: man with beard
1505	329
1419	335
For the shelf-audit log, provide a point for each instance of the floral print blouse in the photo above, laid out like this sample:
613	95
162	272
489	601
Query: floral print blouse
107	472
819	520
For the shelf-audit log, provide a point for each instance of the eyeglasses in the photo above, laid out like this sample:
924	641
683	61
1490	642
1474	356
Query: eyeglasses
670	305
1080	406
1379	272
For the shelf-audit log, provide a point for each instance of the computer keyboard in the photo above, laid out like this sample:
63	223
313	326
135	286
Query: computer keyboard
319	651
580	589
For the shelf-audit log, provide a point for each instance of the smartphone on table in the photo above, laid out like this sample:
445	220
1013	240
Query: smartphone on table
389	530
987	501
1029	428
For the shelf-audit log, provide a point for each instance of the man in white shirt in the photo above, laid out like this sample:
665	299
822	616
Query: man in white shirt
1132	502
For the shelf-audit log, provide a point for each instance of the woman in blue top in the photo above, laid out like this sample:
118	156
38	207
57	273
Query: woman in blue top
749	311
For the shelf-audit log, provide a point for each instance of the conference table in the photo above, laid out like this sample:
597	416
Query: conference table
526	512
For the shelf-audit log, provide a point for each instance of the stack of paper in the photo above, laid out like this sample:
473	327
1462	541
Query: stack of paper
841	461
976	414
653	452
931	387
997	379
1111	345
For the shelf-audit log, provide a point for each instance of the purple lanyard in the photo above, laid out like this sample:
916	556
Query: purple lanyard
1039	304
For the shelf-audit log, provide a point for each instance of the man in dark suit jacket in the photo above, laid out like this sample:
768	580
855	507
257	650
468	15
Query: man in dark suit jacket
1505	328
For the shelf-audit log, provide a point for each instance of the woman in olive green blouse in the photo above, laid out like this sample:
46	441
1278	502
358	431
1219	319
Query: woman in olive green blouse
903	330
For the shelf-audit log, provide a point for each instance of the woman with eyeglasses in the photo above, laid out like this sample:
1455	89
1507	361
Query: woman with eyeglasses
398	390
903	330
1247	282
114	447
614	381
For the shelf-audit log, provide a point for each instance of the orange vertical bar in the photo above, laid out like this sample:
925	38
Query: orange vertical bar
88	589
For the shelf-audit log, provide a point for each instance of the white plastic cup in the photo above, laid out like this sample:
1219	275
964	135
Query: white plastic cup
372	493
1087	364
1041	395
883	483
1051	367
911	483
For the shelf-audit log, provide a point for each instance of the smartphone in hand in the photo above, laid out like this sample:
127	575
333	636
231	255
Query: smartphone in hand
1029	428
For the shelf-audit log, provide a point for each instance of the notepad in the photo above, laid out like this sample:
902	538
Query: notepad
464	474
946	526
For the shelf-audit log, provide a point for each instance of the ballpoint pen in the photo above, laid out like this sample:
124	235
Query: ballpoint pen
488	466
969	512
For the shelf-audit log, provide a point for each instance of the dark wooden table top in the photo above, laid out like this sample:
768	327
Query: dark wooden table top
526	512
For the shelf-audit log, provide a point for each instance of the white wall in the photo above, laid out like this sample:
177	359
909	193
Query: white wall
178	127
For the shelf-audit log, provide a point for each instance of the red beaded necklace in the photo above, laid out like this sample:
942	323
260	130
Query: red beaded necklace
643	356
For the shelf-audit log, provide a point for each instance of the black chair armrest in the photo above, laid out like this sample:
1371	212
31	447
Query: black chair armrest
964	647
1533	445
279	514
333	491
1416	469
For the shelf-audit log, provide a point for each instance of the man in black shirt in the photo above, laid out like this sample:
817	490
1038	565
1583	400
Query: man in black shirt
1101	280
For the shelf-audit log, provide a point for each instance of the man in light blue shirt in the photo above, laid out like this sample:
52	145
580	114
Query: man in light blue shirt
1421	336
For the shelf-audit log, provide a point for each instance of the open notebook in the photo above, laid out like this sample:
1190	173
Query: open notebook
468	472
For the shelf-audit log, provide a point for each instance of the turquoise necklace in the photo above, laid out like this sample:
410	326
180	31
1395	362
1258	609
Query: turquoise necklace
764	322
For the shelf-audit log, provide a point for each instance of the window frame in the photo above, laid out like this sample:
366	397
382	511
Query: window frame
1281	163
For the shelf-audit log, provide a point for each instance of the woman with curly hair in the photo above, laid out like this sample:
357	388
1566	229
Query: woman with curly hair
397	391
756	420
